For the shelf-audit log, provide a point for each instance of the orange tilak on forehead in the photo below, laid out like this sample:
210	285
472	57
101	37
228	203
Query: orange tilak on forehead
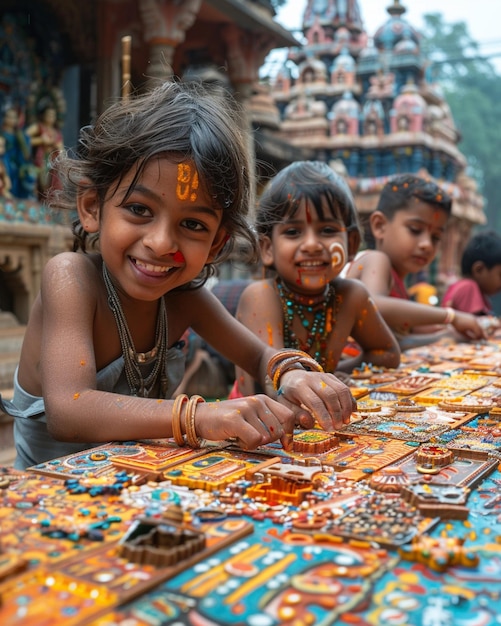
187	182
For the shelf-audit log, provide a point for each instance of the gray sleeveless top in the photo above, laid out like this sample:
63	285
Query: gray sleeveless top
33	442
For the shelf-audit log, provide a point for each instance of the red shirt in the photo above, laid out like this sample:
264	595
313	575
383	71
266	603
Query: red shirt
465	295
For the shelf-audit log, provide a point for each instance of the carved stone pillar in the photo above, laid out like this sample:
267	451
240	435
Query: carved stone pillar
245	54
165	23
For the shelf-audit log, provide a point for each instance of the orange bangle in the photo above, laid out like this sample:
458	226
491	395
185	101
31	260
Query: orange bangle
177	433
191	433
286	360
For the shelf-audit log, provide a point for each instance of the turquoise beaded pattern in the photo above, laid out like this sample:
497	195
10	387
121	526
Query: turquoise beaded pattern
318	328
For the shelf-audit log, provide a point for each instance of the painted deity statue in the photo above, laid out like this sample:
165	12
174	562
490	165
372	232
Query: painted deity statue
46	141
17	156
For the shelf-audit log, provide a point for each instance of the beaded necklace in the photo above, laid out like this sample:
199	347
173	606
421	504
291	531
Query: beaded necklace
139	385
318	329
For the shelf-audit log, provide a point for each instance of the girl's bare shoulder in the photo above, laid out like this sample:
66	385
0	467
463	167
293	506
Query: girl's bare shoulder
259	288
350	288
72	270
73	261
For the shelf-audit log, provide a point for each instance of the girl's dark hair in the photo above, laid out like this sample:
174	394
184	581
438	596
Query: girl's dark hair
181	121
485	246
314	181
399	191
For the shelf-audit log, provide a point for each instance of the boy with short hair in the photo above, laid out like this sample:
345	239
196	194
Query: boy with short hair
481	271
406	229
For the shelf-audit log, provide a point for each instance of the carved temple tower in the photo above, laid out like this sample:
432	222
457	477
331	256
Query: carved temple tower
368	105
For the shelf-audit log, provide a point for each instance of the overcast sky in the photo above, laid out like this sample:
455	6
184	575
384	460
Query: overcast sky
483	17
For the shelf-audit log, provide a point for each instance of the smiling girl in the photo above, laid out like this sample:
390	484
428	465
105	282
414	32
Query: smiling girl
161	185
308	228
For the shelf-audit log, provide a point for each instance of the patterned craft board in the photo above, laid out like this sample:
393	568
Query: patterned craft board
41	521
214	470
384	518
434	395
467	382
255	580
461	596
481	434
355	456
410	384
467	469
81	588
408	425
397	427
140	458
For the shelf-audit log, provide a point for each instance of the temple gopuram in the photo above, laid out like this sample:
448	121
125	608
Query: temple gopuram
367	104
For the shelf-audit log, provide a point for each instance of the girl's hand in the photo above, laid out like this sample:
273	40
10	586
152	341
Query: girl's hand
469	325
253	421
316	396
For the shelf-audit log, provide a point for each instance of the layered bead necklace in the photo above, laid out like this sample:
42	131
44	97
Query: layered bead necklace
157	378
320	309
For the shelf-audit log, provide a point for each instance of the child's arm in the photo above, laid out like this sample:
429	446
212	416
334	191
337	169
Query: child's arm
74	312
372	334
259	311
405	315
73	337
325	397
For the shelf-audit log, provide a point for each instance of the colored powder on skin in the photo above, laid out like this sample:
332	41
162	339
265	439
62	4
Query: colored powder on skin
187	182
270	334
82	363
178	257
76	396
338	258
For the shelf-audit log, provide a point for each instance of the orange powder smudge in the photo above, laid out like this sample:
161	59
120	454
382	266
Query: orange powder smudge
82	363
76	396
270	334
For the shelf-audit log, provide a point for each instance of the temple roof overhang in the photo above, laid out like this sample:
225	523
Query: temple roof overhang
253	18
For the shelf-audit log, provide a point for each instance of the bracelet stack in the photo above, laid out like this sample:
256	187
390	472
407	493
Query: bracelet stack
192	438
451	316
287	359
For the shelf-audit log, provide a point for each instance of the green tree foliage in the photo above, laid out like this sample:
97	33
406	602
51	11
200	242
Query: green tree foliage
472	88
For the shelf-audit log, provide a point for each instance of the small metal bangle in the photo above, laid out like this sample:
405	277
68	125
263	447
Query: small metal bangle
177	407
191	434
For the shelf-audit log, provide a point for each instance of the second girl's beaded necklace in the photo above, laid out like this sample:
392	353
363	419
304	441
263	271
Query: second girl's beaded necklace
318	329
139	385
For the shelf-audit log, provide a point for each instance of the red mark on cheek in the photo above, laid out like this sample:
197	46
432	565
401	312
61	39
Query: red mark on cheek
178	257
